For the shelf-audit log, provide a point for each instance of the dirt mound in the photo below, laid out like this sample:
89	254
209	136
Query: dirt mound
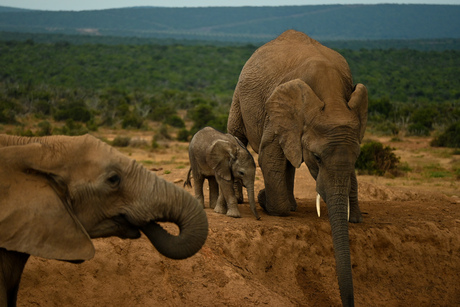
368	191
406	252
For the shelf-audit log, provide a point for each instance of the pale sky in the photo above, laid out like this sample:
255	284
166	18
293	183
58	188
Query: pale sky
79	5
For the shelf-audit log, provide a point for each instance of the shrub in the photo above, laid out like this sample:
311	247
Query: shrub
418	129
76	111
376	159
72	128
183	135
138	142
202	115
132	120
121	141
450	137
45	128
175	121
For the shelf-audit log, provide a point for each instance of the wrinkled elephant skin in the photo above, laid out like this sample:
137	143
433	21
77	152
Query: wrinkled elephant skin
295	102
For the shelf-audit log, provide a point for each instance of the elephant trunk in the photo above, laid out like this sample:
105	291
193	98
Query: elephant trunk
338	211
181	208
252	202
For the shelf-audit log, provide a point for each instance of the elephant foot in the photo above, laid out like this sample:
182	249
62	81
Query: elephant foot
278	211
356	217
293	205
220	209
212	204
261	199
200	200
233	212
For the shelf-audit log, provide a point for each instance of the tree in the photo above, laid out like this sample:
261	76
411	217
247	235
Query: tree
202	115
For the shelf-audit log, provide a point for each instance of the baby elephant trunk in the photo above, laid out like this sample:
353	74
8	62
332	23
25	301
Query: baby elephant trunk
252	203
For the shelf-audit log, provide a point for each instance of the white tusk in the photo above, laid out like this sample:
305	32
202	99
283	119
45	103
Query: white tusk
318	208
348	216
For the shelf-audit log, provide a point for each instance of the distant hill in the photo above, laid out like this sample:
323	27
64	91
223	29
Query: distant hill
246	24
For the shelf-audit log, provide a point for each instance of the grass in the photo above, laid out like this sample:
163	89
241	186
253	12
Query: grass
147	162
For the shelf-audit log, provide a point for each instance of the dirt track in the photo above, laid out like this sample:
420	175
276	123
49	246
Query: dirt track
407	252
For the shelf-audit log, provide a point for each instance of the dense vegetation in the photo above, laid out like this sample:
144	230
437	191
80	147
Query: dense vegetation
435	44
90	85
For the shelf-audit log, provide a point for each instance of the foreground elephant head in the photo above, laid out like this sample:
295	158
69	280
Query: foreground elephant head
56	193
295	102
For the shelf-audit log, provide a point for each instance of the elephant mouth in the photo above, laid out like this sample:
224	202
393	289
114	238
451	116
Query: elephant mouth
124	229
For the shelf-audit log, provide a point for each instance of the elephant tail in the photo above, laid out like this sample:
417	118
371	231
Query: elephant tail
188	180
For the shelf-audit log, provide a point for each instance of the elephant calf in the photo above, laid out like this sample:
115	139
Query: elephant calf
227	164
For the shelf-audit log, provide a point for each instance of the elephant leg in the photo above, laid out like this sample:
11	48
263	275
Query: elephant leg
232	206
235	125
213	192
290	176
199	180
11	267
355	212
238	188
221	205
277	197
227	196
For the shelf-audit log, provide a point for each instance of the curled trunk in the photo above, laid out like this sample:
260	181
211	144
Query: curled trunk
183	210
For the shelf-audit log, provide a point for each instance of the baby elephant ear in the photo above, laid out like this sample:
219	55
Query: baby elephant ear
220	156
359	104
35	214
290	107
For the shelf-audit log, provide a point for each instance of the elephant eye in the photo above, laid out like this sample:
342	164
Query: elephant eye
114	180
317	158
241	173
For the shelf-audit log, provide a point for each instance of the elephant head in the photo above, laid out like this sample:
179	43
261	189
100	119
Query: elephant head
58	192
233	163
326	135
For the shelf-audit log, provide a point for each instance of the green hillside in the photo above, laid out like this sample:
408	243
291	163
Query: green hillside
247	24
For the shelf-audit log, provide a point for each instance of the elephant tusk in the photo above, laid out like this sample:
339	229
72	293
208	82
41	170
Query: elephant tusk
318	208
348	210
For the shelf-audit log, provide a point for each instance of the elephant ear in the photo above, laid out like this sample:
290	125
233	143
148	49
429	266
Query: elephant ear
359	103
35	212
220	156
289	107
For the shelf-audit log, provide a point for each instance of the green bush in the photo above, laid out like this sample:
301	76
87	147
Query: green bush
132	120
71	128
76	111
376	159
175	121
183	135
45	128
121	141
450	137
202	115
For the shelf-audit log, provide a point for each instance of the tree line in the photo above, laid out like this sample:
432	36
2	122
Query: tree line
91	85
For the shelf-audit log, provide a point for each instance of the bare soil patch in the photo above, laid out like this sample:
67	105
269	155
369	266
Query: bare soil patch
407	251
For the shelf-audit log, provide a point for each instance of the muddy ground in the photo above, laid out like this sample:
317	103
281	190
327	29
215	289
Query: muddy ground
407	251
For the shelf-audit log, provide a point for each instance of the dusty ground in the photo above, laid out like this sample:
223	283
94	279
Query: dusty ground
407	251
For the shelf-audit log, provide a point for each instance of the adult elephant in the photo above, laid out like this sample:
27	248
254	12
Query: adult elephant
56	193
295	102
